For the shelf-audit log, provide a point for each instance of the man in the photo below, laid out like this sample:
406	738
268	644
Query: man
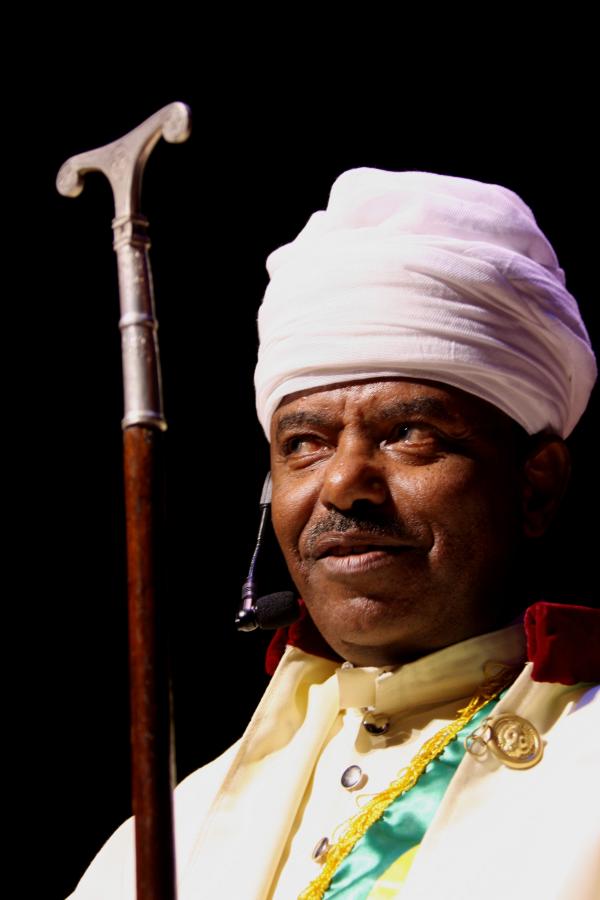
420	363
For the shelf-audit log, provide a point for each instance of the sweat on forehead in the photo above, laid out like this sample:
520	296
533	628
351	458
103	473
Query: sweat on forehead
430	277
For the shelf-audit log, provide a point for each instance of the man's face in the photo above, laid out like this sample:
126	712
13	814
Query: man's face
397	505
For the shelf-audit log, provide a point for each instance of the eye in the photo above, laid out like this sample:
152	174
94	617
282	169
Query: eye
418	435
302	445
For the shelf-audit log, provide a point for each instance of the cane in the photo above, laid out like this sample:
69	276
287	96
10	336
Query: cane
123	164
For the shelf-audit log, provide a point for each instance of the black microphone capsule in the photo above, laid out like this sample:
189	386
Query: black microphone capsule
277	610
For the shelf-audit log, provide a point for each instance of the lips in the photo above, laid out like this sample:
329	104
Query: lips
357	560
355	550
353	543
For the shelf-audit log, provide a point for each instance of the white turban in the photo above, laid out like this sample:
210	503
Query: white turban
430	277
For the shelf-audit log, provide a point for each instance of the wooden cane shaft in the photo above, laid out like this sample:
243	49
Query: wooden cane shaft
151	720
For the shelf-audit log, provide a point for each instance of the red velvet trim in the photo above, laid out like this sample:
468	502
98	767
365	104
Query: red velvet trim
303	634
563	642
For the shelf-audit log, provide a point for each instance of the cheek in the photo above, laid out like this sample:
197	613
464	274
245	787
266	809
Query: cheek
291	508
468	509
434	493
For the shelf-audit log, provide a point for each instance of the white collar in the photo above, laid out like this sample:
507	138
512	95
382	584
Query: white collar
439	677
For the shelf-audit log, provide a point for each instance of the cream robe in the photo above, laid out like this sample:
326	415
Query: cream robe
246	823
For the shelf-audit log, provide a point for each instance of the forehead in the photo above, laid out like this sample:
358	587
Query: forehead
380	399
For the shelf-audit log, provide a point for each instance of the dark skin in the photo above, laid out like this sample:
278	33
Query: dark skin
402	509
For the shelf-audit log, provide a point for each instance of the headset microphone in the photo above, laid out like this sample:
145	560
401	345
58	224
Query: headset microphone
273	610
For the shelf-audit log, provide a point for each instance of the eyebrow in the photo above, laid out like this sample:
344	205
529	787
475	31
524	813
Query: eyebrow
422	406
301	420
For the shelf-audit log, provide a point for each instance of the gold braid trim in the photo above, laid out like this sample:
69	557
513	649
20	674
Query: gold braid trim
408	777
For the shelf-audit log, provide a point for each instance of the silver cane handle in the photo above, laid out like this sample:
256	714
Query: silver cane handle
123	162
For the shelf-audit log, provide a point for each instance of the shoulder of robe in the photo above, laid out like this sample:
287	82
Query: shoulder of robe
112	871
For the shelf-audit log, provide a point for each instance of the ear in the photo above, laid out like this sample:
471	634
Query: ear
546	471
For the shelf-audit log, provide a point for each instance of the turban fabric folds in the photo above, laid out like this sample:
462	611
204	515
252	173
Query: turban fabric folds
431	277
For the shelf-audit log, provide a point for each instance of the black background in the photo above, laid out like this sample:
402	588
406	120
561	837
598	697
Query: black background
261	159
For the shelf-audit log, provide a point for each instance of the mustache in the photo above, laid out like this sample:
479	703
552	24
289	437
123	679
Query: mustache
367	523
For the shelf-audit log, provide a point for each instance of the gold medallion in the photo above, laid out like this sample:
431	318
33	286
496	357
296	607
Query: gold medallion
515	741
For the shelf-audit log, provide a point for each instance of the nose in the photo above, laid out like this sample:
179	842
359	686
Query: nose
354	473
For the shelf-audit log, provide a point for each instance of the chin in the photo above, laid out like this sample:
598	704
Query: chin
370	630
379	630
